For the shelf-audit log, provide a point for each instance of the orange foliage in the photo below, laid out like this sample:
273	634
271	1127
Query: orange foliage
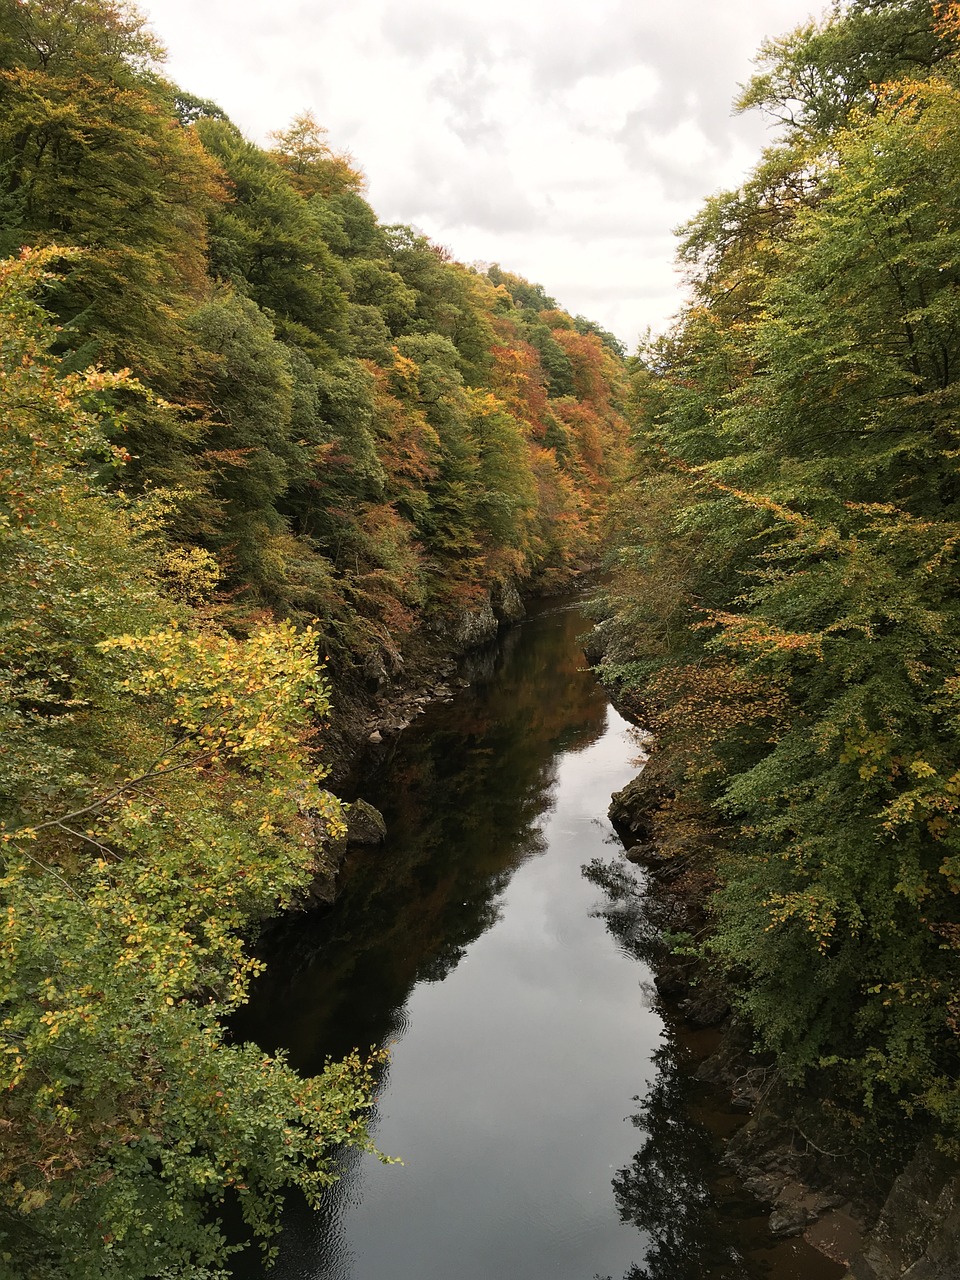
589	431
694	709
591	364
947	18
517	379
407	445
755	634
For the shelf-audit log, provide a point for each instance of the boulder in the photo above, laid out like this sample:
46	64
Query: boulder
918	1232
473	627
365	824
506	602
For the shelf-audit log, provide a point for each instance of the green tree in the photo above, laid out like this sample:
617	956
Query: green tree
268	243
159	793
785	612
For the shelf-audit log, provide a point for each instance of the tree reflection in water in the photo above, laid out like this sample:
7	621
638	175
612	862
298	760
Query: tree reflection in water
665	1190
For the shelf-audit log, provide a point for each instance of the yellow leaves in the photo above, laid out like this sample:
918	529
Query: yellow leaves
933	801
34	1200
759	636
227	696
874	750
192	572
484	403
950	870
405	370
813	908
922	768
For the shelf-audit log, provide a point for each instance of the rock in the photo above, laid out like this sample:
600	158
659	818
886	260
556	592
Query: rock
790	1221
630	810
473	627
375	737
794	1209
707	1005
671	982
837	1235
765	1186
506	602
330	852
374	671
634	809
918	1231
365	824
595	644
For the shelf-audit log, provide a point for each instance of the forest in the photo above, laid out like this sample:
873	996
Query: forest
253	441
784	609
255	445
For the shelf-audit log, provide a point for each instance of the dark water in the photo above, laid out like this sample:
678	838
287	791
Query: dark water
544	1112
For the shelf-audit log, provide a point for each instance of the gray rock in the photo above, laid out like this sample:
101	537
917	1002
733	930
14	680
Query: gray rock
707	1005
917	1236
329	853
594	646
765	1186
506	602
794	1209
365	824
473	627
790	1221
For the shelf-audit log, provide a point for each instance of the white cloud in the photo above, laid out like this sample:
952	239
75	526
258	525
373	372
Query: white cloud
563	143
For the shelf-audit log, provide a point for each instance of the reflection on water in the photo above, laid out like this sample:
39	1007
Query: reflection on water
664	1189
698	1221
511	986
463	792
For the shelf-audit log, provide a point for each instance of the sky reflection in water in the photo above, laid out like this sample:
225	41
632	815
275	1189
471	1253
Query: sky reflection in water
512	986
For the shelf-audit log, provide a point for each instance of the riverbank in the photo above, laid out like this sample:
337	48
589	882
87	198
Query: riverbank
471	944
884	1204
374	704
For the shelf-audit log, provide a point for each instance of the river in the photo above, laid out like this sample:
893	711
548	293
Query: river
541	1103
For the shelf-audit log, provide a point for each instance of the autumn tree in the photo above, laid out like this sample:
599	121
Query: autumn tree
784	612
158	794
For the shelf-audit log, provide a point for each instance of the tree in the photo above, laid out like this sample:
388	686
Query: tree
159	793
316	169
267	243
785	617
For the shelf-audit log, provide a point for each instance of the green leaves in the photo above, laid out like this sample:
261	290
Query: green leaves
792	554
160	793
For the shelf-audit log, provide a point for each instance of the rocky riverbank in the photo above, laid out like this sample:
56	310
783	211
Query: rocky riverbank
377	701
374	704
885	1206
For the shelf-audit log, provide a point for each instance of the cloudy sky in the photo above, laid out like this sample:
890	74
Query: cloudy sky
563	140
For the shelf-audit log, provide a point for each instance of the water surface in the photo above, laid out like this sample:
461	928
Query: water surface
534	1094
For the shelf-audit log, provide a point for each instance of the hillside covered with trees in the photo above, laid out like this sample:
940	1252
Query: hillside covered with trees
784	611
252	442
